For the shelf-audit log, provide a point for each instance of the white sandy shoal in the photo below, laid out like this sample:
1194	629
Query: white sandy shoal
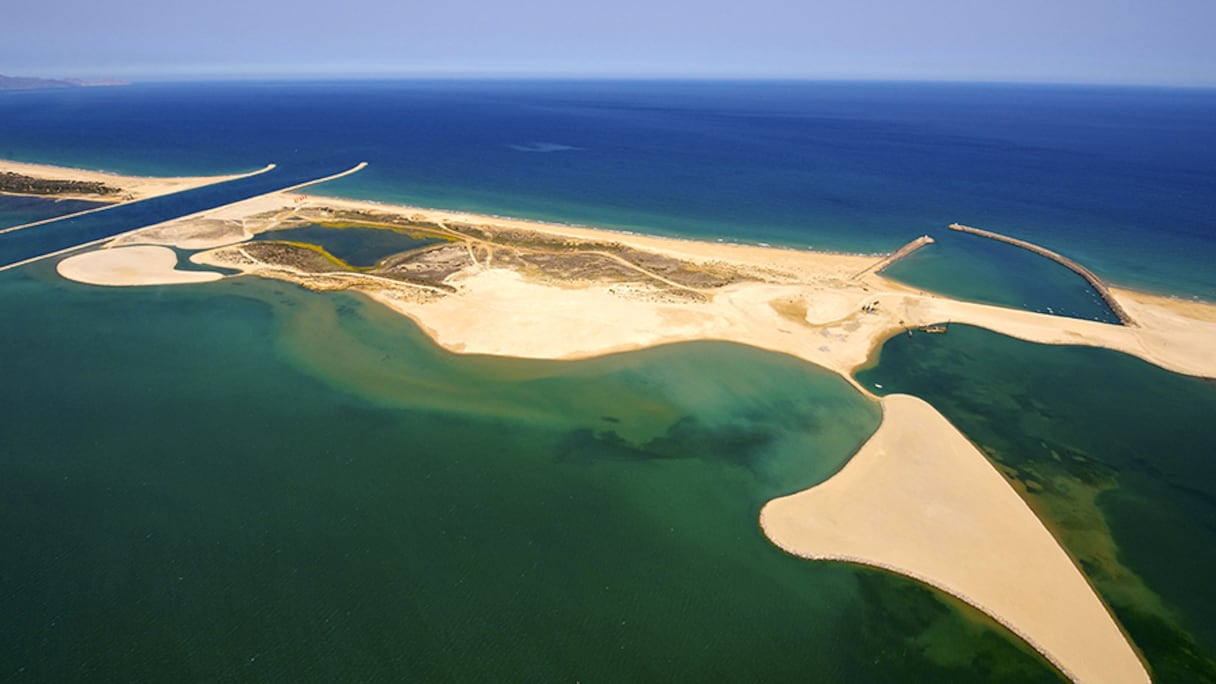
141	265
920	500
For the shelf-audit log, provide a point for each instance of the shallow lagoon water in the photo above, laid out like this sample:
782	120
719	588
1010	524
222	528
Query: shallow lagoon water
247	480
1113	453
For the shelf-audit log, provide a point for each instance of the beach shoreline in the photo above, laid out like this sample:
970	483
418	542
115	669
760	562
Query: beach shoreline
1175	336
806	303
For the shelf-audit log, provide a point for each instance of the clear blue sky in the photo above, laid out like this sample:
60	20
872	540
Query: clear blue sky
1103	41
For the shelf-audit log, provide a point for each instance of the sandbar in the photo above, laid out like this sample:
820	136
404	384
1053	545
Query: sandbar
124	266
920	500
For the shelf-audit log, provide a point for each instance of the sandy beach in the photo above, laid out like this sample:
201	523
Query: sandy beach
808	304
918	499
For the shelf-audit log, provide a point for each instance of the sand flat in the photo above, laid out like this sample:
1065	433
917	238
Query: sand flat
920	500
122	266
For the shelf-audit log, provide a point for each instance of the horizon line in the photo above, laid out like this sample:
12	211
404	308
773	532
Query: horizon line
592	76
617	78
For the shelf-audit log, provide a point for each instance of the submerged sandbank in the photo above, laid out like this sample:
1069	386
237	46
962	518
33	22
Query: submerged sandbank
920	500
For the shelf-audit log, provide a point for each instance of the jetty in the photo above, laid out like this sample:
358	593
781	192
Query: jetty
57	236
895	256
1092	278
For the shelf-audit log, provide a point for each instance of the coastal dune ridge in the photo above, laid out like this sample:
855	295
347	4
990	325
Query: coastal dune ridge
512	287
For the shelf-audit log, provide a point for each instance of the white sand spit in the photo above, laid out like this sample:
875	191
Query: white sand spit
144	265
920	500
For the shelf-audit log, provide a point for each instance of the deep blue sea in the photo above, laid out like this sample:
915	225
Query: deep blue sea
1123	179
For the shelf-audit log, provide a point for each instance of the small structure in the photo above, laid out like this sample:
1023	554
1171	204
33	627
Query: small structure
937	329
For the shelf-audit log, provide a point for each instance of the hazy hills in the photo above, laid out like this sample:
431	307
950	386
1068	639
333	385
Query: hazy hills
28	83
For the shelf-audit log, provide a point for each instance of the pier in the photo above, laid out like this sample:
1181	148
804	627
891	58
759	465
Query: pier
1096	282
57	236
895	256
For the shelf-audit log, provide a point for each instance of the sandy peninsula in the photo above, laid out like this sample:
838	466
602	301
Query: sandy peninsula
117	187
499	286
920	500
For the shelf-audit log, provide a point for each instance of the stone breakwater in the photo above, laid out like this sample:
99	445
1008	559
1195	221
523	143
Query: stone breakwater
1088	275
895	256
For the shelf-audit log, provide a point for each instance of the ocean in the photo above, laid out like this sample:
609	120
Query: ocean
246	480
1121	179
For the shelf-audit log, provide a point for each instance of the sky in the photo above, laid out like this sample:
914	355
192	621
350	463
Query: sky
1162	42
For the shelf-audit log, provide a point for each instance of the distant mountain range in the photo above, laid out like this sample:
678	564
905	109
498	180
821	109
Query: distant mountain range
23	83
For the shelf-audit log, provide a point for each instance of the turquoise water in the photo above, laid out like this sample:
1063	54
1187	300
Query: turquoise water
249	481
979	269
358	246
1115	455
